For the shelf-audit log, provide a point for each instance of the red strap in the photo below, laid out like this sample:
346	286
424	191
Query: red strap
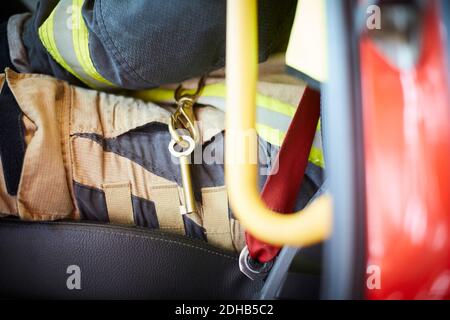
281	189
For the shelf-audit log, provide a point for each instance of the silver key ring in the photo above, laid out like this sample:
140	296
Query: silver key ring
184	153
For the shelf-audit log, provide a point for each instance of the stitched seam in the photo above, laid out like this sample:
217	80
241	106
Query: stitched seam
144	163
65	107
140	161
116	132
130	236
213	189
70	151
132	195
36	214
158	187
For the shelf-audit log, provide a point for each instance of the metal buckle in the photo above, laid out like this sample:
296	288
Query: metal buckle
253	269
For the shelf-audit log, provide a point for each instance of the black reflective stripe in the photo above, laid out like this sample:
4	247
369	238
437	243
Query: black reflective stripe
192	229
144	212
12	143
92	206
91	203
147	146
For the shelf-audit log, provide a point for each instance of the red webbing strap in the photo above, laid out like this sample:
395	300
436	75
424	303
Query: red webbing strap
281	189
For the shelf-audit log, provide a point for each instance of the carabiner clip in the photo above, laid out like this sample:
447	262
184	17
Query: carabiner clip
179	96
184	116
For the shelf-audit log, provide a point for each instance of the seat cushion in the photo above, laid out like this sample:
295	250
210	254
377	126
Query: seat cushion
37	260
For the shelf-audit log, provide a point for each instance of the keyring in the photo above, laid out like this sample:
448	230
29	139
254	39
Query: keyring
184	153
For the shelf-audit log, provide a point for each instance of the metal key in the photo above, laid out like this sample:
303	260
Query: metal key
184	158
184	118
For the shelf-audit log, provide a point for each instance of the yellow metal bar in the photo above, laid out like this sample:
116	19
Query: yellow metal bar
311	225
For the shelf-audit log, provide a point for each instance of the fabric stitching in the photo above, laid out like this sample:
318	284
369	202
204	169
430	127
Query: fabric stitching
69	149
132	157
101	190
130	236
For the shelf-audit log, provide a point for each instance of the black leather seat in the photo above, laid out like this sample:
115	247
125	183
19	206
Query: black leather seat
115	263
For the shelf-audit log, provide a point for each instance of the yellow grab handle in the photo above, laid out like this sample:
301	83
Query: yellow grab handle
309	226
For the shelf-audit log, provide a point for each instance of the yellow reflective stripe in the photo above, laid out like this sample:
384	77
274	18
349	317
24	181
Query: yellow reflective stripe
76	32
167	95
80	37
276	137
316	157
155	95
216	90
269	134
46	36
219	90
275	105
